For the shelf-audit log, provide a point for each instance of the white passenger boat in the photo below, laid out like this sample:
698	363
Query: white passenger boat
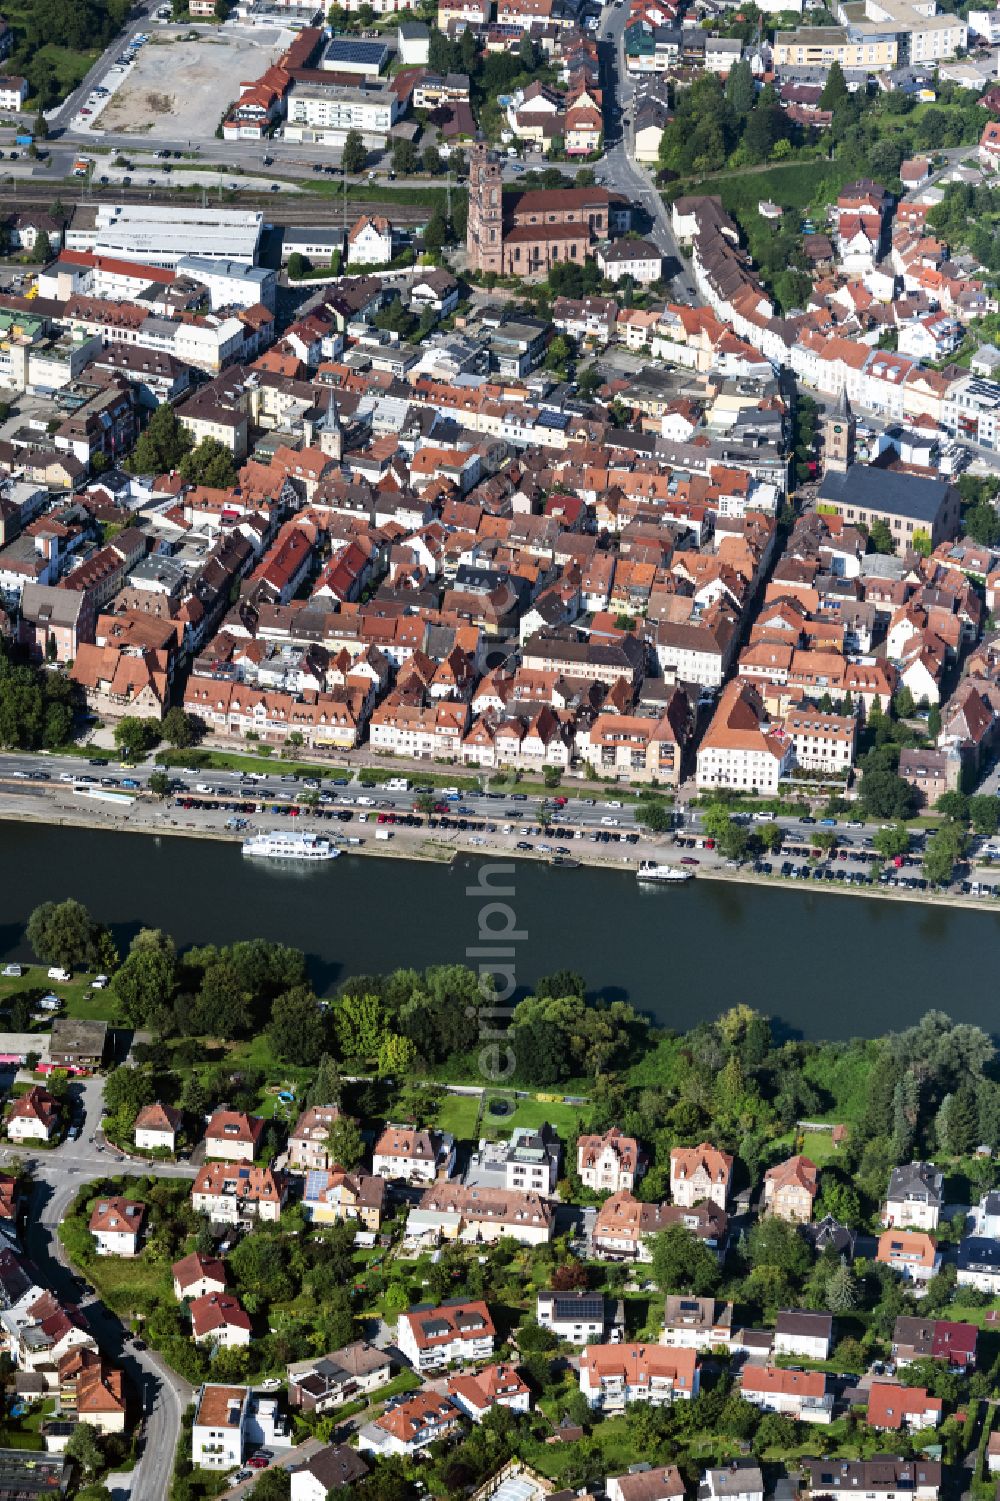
651	870
281	846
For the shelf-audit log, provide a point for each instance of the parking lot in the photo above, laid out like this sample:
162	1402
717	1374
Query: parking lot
178	89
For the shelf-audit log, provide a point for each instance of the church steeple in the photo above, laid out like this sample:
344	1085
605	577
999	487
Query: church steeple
331	437
839	428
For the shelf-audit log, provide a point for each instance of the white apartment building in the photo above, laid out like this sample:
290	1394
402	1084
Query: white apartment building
220	1421
741	748
822	742
327	111
455	1332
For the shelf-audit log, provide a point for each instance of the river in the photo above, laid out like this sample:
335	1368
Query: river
822	965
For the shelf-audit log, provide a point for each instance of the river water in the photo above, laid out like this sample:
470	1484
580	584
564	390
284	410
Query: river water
822	965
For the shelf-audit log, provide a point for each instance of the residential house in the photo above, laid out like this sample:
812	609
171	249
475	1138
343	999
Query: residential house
797	1332
219	1319
413	1156
476	1394
915	1197
156	1127
327	1381
232	1192
613	1376
646	1483
332	1195
232	1136
307	1146
115	1224
453	1332
790	1190
321	1475
978	1263
741	1480
692	1323
578	1318
913	1254
77	1045
409	1425
480	1215
886	1478
218	1436
609	1163
800	1395
34	1116
196	1275
623	1224
892	1407
698	1173
934	1339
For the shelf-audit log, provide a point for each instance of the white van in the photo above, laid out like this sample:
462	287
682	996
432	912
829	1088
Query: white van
383	834
55	973
397	784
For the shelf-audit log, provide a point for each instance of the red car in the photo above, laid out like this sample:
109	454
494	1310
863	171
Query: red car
257	1462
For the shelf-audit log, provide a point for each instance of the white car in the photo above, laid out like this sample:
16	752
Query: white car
99	982
12	971
272	1384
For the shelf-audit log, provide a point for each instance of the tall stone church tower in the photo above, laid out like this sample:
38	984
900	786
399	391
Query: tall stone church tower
839	427
484	236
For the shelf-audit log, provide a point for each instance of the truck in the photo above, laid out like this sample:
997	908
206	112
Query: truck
82	166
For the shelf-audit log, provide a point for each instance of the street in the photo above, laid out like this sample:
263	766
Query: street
58	1177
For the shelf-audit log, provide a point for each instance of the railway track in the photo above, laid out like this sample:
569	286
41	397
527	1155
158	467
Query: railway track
291	209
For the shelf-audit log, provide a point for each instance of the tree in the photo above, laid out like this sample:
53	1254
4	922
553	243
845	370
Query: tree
984	813
559	354
404	157
177	728
345	1143
903	703
147	980
741	90
880	537
884	794
354	157
681	1264
359	1022
43	248
273	1485
327	1087
396	1055
430	160
954	806
40	129
84	1447
211	464
297	1030
136	737
65	934
841	1289
163	445
436	232
942	851
892	841
298	265
835	89
159	784
654	816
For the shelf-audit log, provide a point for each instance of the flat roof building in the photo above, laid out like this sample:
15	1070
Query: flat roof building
162	236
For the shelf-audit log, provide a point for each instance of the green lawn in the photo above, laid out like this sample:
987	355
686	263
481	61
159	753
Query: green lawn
458	1114
791	184
535	1112
79	998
